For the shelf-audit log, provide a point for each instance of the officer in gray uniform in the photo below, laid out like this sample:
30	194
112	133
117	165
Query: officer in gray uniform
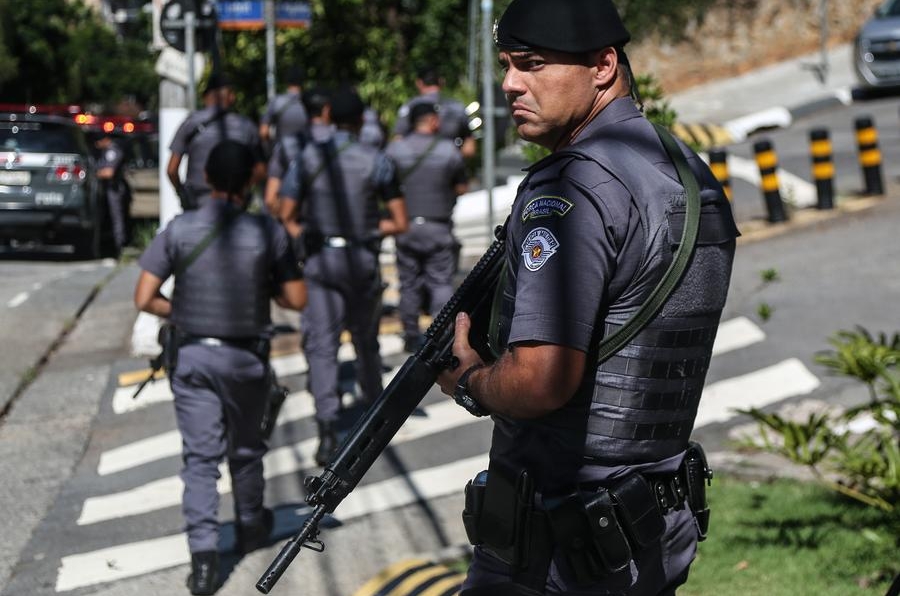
204	129
285	115
432	175
110	166
593	486
339	191
454	121
228	264
316	102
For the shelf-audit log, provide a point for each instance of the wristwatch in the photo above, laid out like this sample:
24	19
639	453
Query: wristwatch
461	393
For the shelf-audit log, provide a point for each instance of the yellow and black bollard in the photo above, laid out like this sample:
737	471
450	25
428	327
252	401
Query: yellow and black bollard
869	155
718	163
767	161
822	167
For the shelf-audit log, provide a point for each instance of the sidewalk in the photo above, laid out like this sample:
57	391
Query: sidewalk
771	96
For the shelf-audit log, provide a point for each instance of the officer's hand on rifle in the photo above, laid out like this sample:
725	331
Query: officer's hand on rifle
464	355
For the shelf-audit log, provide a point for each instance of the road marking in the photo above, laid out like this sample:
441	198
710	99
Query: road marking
759	388
289	459
297	406
736	333
17	300
137	558
285	366
119	562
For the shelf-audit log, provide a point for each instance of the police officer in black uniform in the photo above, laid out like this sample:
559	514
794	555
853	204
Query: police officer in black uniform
228	264
593	486
432	174
110	165
343	186
454	120
201	131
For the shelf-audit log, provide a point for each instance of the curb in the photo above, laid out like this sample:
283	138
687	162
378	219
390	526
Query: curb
782	116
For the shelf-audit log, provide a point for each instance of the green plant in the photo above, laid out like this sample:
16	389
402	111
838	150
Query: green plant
863	466
764	310
769	275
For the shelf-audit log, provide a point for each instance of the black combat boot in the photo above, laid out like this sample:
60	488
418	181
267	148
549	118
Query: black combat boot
204	577
250	537
328	443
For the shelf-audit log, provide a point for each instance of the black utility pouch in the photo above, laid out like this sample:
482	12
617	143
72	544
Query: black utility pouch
609	539
504	526
474	506
699	476
638	510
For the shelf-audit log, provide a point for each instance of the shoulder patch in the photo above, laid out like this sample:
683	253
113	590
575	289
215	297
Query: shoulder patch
538	247
546	206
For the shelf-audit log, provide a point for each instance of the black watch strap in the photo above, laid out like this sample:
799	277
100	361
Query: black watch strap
461	393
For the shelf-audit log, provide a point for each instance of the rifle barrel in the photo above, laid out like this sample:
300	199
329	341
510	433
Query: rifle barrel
290	550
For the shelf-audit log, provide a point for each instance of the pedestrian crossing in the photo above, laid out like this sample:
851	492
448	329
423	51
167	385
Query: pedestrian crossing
114	562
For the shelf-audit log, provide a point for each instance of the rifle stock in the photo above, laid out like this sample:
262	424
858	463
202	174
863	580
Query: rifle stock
373	432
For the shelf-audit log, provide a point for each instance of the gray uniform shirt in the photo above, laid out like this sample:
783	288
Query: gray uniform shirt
286	113
429	168
201	131
454	122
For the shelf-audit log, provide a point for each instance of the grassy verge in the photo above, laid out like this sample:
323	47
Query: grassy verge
788	538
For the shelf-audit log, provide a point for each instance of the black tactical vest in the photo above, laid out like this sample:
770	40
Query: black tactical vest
638	406
225	292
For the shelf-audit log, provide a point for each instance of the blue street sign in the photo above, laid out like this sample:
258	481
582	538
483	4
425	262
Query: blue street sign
250	14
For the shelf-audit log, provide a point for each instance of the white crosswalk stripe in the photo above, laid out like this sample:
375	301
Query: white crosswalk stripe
77	570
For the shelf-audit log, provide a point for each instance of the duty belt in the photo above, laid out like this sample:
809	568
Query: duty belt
418	220
256	345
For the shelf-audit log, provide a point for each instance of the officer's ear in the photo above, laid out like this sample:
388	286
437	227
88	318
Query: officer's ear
604	64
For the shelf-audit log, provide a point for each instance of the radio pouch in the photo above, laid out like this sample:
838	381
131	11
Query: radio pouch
504	525
638	510
474	506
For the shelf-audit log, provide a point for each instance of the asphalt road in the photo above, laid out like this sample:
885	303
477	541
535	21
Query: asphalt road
90	492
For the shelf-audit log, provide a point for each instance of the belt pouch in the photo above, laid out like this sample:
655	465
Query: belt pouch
504	525
638	510
698	476
474	506
608	537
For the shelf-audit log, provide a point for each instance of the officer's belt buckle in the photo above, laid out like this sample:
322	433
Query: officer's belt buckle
419	220
336	242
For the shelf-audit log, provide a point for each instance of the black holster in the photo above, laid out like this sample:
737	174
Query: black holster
169	342
699	476
275	396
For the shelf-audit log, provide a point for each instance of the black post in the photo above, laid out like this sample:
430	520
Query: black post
822	167
767	161
869	155
718	163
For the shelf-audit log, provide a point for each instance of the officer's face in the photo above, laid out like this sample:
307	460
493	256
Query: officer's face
550	94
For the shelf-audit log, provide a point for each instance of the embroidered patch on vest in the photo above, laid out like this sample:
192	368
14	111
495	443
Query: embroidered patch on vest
539	246
546	206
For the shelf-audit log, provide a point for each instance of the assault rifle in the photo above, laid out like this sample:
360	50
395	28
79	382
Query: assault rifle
372	433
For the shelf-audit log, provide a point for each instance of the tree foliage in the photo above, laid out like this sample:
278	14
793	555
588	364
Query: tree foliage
60	51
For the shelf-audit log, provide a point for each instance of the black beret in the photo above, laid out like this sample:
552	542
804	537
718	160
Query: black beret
217	80
572	26
421	109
